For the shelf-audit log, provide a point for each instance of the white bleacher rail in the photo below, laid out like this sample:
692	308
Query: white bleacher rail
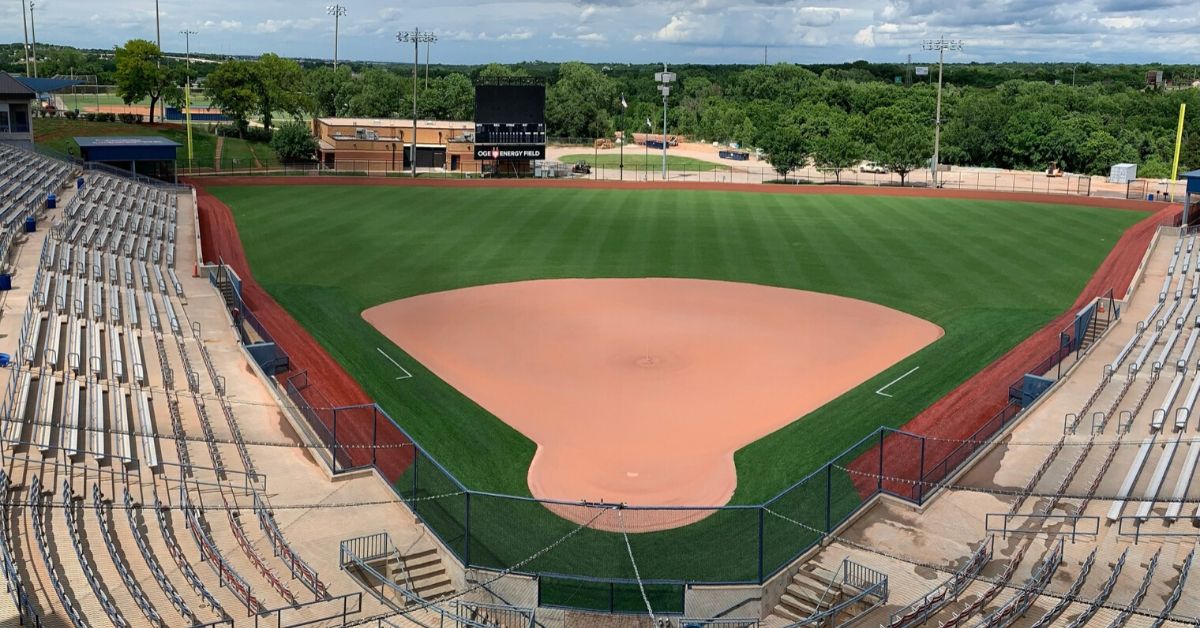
181	561
1156	480
153	565
243	542
131	583
1027	593
16	585
210	554
1131	476
89	570
1176	592
1140	595
919	611
34	504
299	569
1072	593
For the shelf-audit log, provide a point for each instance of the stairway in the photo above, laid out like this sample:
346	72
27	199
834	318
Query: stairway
421	573
1093	333
811	591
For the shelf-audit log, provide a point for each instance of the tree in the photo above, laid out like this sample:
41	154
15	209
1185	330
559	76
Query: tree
785	149
329	91
279	87
140	73
838	150
293	142
581	102
232	88
902	143
376	96
451	97
496	70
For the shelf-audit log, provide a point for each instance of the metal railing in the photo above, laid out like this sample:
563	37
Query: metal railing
920	610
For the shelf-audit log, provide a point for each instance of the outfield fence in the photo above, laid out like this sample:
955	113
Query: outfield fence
589	567
715	173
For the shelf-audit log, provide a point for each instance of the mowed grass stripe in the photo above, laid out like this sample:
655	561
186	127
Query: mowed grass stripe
979	269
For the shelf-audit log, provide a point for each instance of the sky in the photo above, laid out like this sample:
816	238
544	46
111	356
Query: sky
642	31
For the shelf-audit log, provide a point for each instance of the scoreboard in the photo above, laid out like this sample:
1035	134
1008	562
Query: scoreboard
510	121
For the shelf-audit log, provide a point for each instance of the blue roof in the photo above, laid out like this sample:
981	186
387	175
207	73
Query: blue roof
44	85
124	141
1195	174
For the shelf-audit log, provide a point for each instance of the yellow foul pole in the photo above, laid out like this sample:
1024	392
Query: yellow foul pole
187	113
1178	141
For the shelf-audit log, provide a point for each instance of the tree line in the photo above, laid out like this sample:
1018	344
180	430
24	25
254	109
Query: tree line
1084	117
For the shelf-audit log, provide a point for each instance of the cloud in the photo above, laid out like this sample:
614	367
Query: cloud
679	31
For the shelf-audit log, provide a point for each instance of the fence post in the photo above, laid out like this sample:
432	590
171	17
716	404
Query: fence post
467	531
879	476
828	497
416	457
336	446
374	435
921	475
761	525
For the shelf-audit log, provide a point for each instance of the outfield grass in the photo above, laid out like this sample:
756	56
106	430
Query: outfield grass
989	273
640	161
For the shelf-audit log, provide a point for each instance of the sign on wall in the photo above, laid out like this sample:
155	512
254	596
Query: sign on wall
515	152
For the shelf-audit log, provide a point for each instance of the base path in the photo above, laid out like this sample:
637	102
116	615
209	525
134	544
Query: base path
639	391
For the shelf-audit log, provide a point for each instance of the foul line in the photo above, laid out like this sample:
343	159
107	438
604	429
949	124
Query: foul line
404	370
889	384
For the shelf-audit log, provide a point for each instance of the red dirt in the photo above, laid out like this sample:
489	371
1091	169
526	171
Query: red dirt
956	416
601	372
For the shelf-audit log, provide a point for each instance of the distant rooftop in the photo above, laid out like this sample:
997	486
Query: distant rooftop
13	88
114	141
389	123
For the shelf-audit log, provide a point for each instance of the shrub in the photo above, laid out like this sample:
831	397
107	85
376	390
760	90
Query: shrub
293	142
258	134
71	114
107	117
128	118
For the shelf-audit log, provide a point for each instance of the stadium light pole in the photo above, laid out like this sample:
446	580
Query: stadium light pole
337	11
646	145
25	28
664	80
187	87
941	45
416	37
158	61
33	31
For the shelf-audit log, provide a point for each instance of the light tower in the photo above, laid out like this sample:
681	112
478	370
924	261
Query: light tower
25	28
416	37
941	45
664	80
337	11
187	88
33	30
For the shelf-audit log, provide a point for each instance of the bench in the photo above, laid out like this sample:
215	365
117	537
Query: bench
1135	470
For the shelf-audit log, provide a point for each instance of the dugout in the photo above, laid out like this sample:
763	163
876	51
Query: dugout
1191	197
148	155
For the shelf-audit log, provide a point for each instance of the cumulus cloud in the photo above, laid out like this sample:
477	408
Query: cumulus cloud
479	31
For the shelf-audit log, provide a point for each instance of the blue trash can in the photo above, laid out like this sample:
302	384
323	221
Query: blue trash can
1149	197
79	183
51	201
5	359
30	224
5	282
